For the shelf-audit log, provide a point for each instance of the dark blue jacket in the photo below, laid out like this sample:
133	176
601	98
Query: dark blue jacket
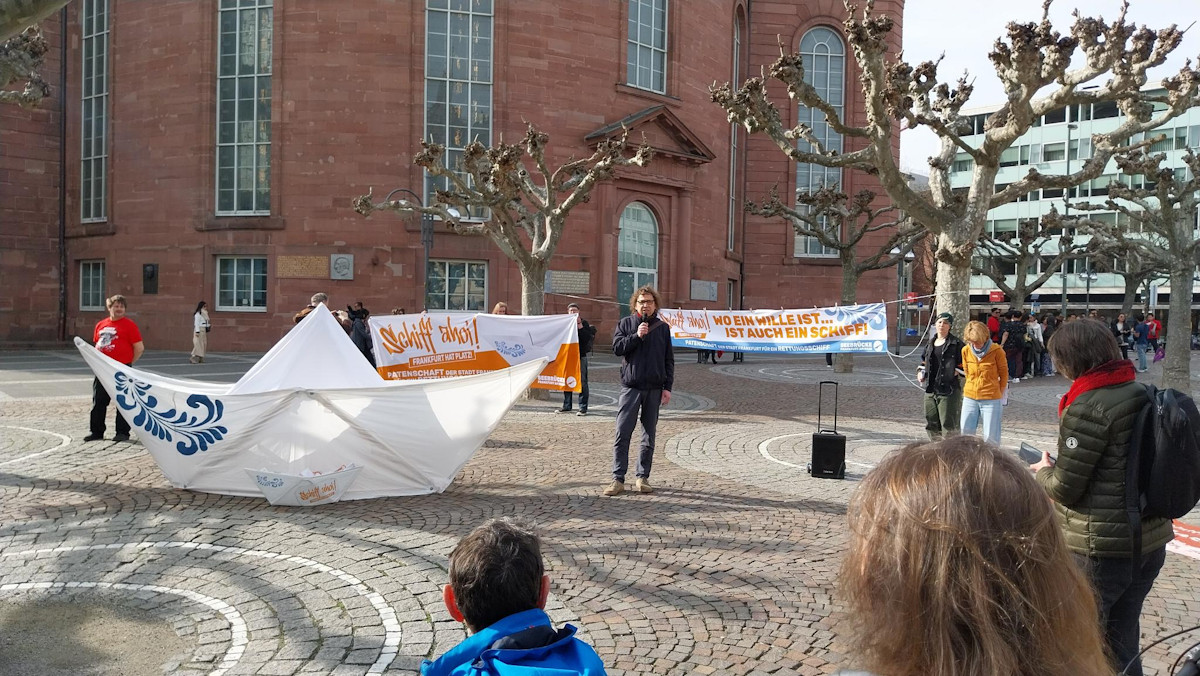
524	644
647	363
1141	333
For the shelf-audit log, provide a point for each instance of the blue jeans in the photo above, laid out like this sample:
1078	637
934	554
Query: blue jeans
1140	348
989	411
583	394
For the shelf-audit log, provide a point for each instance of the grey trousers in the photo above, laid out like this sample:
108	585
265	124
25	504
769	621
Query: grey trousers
632	401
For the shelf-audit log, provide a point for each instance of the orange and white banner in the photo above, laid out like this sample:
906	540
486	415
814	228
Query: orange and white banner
449	344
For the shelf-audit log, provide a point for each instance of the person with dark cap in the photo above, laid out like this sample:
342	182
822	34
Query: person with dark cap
939	373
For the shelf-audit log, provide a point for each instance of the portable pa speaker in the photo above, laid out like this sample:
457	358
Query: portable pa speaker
828	447
828	455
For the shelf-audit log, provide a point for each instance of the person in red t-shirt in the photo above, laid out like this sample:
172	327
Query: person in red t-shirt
119	338
993	324
1155	330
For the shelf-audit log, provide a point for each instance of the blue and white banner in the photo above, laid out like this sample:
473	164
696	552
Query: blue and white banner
849	328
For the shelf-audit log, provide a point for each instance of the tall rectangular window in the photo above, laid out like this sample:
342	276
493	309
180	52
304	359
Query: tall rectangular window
94	112
91	285
244	108
824	57
456	285
242	283
646	48
458	81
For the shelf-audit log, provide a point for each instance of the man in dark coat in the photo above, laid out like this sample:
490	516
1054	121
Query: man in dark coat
643	341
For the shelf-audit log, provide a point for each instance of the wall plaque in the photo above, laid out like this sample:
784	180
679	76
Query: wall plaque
301	267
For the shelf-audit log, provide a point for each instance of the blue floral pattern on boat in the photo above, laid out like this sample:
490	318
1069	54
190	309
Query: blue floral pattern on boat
195	432
872	315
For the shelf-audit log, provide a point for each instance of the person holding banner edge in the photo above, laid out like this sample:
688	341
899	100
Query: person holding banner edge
587	338
941	366
643	341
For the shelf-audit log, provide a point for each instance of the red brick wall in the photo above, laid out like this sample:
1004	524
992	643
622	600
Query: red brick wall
347	114
774	276
29	208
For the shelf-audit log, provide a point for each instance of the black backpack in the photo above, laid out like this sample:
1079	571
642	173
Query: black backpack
1167	454
1164	460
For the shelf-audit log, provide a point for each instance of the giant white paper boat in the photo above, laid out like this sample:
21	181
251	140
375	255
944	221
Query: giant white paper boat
312	402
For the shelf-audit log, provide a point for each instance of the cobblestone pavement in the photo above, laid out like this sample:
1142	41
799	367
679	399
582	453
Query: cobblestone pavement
728	568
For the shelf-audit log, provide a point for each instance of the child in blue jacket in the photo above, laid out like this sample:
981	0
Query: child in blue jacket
510	632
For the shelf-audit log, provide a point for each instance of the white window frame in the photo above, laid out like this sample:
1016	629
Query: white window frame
239	159
445	263
813	177
88	274
220	277
640	275
472	84
639	55
93	118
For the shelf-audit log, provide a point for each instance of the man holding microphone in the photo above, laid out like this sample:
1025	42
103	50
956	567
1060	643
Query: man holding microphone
643	341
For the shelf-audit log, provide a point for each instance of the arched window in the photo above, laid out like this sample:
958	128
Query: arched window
637	252
824	56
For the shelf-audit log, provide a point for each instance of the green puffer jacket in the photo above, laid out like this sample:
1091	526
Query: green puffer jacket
1087	483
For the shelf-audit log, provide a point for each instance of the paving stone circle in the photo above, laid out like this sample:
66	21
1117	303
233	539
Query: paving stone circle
729	567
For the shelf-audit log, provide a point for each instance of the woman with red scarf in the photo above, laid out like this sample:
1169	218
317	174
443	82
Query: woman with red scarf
1087	483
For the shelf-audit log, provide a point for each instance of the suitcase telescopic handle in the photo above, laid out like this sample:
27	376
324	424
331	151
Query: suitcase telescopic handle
821	395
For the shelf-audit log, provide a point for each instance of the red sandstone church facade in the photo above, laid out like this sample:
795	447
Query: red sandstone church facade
210	149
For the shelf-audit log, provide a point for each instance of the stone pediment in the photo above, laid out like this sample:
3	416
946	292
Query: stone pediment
662	130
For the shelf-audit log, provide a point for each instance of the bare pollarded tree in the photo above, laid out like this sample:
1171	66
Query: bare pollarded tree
840	222
1033	241
525	216
1127	261
1161	213
22	49
1033	63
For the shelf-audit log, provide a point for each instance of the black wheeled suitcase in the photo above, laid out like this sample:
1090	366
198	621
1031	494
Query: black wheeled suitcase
828	447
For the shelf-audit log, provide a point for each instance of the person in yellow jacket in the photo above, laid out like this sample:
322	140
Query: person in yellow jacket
987	377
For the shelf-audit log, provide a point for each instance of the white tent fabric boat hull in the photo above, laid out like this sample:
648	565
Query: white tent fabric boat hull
312	404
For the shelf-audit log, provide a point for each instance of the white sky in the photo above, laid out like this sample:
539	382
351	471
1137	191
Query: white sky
965	32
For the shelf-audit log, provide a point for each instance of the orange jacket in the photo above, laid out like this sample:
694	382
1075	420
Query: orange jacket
987	377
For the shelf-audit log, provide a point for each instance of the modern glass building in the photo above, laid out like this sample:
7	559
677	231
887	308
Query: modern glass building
1059	143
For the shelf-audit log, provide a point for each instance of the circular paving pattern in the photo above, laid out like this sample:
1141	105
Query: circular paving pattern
810	374
729	567
602	401
777	458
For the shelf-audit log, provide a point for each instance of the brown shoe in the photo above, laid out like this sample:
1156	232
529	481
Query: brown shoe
615	488
642	486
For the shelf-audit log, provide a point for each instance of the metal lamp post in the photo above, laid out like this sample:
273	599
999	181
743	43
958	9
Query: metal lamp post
1066	213
426	237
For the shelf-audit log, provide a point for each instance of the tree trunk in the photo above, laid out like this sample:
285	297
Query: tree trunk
844	362
1017	300
953	284
533	288
1177	372
1131	287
